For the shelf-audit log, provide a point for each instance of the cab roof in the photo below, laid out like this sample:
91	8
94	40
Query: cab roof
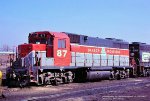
54	34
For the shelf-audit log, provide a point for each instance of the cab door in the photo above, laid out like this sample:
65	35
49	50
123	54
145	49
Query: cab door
62	55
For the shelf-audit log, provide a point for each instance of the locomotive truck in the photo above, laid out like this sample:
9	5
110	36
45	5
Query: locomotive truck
61	57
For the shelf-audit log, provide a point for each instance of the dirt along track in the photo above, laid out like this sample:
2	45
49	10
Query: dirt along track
115	90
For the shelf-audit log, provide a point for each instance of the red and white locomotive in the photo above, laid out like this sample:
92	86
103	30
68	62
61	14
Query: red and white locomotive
60	57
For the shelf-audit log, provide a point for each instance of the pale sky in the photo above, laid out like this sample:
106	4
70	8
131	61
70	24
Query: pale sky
123	19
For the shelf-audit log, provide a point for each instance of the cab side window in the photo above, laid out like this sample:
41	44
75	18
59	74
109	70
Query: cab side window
50	41
61	43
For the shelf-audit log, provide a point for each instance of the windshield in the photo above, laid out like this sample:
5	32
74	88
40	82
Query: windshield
40	39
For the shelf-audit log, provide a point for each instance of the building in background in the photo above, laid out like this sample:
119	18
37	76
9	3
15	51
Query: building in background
6	58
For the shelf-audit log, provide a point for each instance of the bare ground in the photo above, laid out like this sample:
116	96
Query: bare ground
132	89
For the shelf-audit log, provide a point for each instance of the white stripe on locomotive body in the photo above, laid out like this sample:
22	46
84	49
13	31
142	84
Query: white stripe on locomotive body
29	59
96	59
92	59
80	59
87	59
124	61
110	60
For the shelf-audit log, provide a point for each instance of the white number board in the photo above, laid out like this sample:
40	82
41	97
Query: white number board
145	57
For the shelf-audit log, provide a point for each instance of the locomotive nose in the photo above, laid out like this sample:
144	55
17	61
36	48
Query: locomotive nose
25	49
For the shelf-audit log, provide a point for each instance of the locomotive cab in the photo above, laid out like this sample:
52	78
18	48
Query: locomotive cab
43	38
57	46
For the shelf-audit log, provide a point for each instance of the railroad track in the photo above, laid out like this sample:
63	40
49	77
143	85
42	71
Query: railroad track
89	91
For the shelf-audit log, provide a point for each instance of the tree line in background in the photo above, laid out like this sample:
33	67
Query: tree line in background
6	48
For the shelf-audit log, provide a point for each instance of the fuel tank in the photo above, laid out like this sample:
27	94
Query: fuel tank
98	75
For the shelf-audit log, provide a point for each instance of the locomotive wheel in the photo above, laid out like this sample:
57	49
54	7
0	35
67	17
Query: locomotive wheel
118	77
64	79
54	82
24	82
148	74
111	77
11	83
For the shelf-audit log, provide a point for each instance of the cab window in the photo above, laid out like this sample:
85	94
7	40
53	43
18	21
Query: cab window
50	41
61	43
